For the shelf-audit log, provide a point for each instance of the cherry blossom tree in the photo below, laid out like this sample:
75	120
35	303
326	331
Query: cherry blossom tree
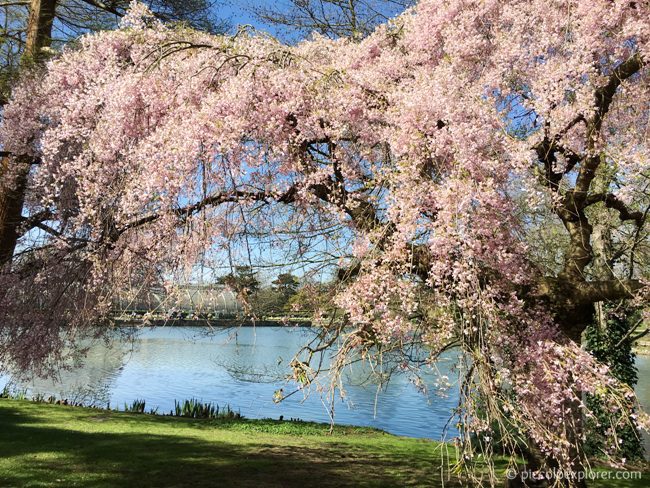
426	156
32	31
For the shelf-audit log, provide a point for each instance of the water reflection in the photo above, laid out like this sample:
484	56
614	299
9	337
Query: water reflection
243	367
90	384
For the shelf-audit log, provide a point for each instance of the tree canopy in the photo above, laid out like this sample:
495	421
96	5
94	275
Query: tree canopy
424	156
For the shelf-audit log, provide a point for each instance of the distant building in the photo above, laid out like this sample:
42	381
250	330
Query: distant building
214	301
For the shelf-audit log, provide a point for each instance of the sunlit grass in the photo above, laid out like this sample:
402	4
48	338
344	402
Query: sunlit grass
54	445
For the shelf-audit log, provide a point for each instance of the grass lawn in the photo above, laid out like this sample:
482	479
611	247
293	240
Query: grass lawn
53	445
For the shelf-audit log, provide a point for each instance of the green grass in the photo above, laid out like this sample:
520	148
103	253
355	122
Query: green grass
54	445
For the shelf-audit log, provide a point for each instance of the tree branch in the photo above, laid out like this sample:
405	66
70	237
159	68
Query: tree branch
17	3
629	333
102	6
602	291
35	220
571	211
611	201
605	94
188	210
603	98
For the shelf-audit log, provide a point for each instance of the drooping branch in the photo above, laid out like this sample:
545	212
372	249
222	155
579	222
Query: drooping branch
440	253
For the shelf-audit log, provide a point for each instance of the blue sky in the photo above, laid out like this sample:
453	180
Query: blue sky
240	12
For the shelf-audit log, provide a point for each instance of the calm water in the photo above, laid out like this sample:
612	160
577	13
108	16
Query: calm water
243	368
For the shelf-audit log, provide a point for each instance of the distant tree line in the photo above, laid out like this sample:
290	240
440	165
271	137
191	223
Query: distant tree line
287	295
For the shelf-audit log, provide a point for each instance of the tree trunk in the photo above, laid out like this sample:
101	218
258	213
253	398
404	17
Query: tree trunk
579	320
12	198
39	30
13	180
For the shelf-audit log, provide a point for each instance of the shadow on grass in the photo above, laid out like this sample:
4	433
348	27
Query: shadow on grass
38	454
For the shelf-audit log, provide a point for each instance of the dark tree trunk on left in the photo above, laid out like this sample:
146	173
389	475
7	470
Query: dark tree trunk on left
12	199
14	169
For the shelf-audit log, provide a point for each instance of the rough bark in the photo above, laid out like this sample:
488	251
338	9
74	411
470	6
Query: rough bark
39	29
12	197
15	169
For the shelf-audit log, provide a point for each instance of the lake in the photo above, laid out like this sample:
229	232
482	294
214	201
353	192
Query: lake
243	367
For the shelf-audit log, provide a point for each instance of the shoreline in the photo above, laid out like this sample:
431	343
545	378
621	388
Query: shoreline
217	323
641	347
79	446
